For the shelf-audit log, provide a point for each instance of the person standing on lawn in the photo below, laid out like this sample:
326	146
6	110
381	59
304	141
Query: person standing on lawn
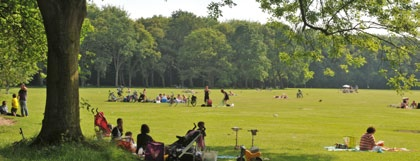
23	94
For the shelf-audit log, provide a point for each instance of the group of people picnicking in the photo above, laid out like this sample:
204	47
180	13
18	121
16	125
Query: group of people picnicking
130	97
18	102
406	105
166	98
299	94
126	140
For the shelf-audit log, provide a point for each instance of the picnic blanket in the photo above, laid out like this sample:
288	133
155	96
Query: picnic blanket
333	148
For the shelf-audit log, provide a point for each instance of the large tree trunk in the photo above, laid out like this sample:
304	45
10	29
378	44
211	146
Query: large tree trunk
62	21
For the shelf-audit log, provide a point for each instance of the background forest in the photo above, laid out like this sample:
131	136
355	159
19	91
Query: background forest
189	51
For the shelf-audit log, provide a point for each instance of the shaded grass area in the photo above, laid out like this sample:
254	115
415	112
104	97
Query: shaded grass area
292	129
90	150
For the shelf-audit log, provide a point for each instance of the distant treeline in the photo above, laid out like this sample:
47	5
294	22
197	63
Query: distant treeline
190	51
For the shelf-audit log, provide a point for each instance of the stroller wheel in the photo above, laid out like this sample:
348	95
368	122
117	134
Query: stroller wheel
258	159
240	159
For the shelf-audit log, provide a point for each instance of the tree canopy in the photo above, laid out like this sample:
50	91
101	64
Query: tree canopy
345	19
22	43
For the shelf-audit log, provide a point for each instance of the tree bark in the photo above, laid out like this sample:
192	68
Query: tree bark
162	77
191	82
98	79
129	78
152	79
62	21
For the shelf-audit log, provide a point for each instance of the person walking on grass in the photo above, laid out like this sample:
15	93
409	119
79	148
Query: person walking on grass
23	94
225	98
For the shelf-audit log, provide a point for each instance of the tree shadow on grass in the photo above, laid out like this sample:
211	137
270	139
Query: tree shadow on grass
85	150
229	153
409	131
94	150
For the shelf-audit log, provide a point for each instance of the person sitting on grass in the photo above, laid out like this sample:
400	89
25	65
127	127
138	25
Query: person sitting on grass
413	104
158	98
3	108
143	138
164	98
367	141
128	142
179	99
404	103
117	131
184	99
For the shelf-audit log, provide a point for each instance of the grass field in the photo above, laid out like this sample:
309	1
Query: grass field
301	130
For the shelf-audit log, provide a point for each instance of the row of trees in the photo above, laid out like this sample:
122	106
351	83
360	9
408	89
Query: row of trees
190	51
187	50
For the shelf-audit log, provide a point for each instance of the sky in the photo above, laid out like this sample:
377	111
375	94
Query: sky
244	10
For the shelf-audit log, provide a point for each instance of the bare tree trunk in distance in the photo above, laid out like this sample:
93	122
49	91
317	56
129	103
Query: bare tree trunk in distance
162	77
98	79
62	21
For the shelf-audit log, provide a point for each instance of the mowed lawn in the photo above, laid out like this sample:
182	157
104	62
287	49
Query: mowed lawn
301	130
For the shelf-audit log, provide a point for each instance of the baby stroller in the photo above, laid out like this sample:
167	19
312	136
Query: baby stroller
183	149
102	127
154	151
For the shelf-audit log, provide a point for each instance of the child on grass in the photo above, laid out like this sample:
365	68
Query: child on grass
15	105
3	108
